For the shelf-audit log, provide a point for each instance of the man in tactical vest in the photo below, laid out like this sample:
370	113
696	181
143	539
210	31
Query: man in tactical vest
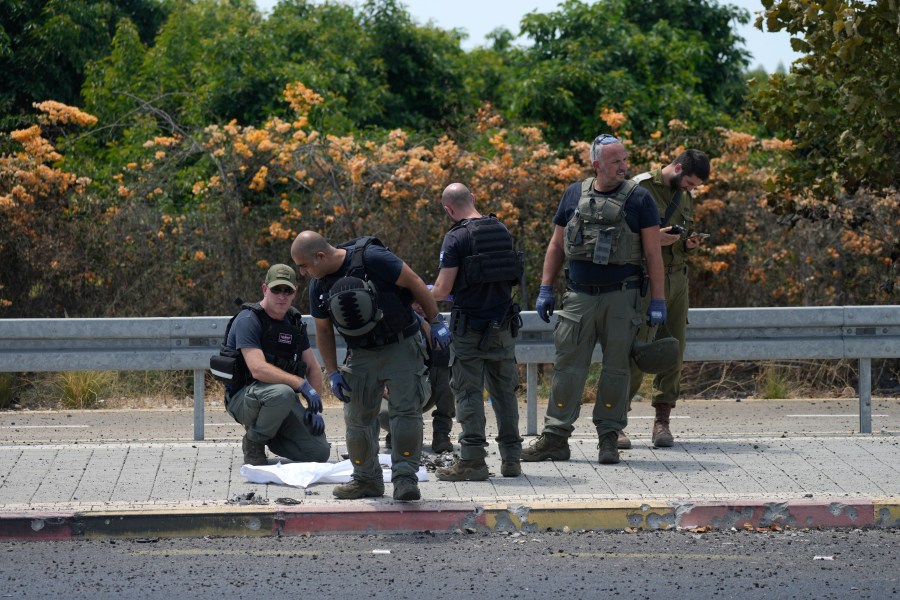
608	229
366	292
273	365
479	266
671	187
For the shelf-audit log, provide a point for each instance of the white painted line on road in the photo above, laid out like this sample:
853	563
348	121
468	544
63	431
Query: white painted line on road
854	415
223	424
43	426
652	417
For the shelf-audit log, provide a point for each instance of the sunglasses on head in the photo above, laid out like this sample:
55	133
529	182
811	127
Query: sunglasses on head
606	139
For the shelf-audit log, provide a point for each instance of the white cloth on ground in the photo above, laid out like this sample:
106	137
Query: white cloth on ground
307	473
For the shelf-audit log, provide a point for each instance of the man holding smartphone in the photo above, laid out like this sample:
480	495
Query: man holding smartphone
671	187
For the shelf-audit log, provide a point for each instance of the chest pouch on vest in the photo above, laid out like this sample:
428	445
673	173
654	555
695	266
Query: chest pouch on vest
282	343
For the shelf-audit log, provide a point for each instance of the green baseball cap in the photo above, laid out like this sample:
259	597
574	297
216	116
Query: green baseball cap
281	275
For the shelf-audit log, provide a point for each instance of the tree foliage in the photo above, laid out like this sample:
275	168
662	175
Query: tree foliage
840	102
57	39
207	145
654	60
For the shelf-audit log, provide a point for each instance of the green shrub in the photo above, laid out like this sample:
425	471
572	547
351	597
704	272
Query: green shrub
775	384
83	389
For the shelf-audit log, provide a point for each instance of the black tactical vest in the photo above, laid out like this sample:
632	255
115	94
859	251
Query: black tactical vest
397	318
282	343
494	259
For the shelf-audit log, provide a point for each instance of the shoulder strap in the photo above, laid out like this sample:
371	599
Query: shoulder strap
624	192
587	186
254	306
628	186
359	245
670	210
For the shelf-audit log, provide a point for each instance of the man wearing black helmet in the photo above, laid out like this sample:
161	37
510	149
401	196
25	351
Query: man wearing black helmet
366	292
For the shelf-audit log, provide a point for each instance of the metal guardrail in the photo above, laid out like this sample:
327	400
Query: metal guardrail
713	334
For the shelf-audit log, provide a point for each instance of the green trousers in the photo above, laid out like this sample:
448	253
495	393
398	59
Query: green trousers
399	367
272	414
667	385
613	320
492	368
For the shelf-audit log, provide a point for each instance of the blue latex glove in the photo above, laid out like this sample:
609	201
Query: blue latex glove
545	303
440	333
313	400
338	385
315	421
656	312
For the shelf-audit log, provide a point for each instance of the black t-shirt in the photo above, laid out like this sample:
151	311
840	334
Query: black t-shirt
481	303
640	213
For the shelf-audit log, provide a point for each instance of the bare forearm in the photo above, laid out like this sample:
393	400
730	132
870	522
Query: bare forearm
326	344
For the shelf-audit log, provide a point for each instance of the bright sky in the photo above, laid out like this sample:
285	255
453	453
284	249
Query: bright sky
480	17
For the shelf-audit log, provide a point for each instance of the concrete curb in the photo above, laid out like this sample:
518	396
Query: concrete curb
375	517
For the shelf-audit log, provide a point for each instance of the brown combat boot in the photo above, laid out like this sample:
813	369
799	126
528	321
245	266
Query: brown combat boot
547	446
662	437
609	453
254	453
465	470
622	441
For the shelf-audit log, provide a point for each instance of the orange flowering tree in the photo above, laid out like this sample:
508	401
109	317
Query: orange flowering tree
42	209
193	218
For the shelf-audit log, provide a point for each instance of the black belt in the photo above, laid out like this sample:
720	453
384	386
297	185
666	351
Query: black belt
369	343
602	288
460	322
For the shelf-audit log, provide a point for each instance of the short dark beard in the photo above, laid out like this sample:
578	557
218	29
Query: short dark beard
675	182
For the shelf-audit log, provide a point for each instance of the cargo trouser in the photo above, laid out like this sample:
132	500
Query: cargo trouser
272	414
492	369
613	319
401	368
667	385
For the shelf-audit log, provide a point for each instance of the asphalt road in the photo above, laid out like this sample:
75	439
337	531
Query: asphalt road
691	418
665	565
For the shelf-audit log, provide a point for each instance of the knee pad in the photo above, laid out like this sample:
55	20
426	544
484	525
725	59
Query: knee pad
406	436
361	446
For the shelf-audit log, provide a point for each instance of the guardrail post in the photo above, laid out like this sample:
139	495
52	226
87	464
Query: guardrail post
865	395
199	395
531	396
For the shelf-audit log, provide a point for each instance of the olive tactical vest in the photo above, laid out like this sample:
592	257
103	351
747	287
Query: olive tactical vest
597	232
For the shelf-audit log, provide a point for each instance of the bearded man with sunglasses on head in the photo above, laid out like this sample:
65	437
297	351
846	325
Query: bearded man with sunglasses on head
607	232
